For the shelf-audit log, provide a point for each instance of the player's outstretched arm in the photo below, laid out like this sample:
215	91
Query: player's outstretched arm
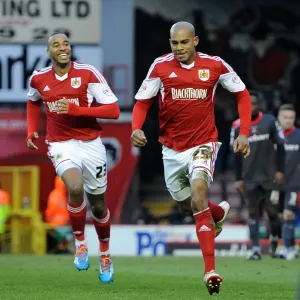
104	111
103	95
33	113
139	114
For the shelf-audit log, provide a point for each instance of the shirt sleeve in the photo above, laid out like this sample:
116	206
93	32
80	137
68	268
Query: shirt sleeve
99	89
277	133
229	79
151	84
33	94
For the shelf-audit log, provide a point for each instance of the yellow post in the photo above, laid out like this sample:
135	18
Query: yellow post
35	193
16	204
28	231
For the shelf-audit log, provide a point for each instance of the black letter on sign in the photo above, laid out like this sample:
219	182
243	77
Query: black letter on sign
67	5
27	70
53	9
83	9
11	62
33	8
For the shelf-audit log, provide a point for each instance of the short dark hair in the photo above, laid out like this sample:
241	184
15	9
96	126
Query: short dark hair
290	107
58	32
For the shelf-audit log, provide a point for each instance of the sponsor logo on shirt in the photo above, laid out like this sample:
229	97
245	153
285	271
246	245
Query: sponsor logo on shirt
76	82
188	94
53	105
46	88
203	74
290	147
259	137
173	75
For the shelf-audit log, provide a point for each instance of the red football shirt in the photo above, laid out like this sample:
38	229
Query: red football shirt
83	85
186	97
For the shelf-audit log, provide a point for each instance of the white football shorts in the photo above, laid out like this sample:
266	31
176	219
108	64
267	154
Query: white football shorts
89	156
181	168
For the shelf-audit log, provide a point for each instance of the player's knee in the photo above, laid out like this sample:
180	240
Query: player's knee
75	193
199	189
288	215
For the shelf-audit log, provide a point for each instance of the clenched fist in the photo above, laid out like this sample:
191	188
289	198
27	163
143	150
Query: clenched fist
241	145
138	138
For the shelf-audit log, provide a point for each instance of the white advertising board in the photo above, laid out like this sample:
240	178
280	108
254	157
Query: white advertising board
151	240
32	21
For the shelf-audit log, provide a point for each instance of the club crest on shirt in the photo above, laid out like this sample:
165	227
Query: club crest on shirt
143	87
76	82
203	74
236	79
107	91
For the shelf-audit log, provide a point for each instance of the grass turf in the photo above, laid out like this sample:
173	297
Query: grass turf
150	278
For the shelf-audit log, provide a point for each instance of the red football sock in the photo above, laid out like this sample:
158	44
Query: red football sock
217	211
206	235
77	214
102	227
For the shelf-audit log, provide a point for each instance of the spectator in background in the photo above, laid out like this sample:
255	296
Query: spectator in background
58	217
4	212
146	217
289	194
257	176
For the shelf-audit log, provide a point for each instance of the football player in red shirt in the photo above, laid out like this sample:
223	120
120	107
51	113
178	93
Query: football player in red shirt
186	81
74	96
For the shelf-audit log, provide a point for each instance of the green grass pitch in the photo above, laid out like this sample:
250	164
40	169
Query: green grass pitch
150	278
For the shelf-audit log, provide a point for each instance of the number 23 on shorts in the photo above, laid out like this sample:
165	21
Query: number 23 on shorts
101	171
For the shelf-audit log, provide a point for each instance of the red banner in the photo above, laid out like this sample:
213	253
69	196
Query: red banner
122	160
122	157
